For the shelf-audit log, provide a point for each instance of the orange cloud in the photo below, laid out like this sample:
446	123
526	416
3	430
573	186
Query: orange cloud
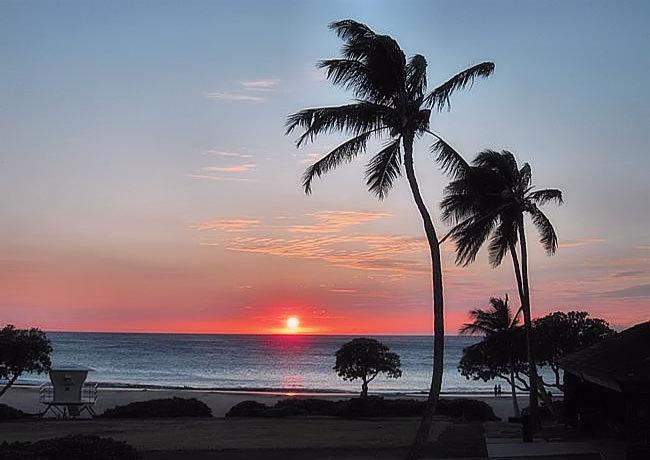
364	252
335	221
239	179
579	242
228	225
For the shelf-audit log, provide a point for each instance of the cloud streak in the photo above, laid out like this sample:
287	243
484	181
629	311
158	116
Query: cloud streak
228	225
236	168
361	251
249	91
579	242
223	178
260	85
234	96
336	221
223	153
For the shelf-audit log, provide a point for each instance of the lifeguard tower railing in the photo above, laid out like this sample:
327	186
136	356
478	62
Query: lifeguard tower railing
68	395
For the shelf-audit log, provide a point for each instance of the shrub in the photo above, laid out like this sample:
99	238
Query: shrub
10	413
308	406
248	409
374	406
171	407
73	447
467	409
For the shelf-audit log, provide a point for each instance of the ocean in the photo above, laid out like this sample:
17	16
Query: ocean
249	362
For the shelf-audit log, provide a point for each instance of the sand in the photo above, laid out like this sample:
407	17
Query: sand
25	398
198	439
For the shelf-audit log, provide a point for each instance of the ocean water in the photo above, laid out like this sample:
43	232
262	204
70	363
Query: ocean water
248	362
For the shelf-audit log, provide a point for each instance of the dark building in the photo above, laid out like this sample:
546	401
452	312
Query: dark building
607	388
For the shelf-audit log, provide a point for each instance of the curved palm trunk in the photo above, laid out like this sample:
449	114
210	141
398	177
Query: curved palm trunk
532	369
513	390
438	318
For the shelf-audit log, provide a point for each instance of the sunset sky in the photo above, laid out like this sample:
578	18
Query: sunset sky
146	183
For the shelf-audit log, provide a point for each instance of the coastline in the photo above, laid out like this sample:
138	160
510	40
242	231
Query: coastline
25	397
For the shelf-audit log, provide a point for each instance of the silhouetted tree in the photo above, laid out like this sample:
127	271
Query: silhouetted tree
22	350
559	333
497	356
391	103
489	200
498	322
365	359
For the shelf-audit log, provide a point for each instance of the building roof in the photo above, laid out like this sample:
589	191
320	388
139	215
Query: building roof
618	362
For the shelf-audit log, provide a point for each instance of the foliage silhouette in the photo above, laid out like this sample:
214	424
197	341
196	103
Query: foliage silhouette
155	408
498	323
365	359
558	334
391	103
22	350
488	200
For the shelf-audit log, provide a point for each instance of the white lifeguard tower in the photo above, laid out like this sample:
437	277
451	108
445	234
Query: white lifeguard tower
68	395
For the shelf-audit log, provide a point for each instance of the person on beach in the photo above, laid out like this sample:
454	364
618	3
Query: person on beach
499	391
496	391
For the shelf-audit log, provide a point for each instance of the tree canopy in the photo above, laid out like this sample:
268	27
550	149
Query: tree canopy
559	333
365	358
554	336
22	350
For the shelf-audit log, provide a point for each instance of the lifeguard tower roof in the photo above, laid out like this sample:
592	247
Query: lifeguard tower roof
71	367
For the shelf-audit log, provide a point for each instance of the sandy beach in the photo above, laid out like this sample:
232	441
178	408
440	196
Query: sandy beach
251	438
25	398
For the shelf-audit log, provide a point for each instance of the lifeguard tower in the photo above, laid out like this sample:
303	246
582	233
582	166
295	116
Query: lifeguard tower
68	395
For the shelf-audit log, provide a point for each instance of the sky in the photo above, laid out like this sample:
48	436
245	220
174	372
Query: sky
146	183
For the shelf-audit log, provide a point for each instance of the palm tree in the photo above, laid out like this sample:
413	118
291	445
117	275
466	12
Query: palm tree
391	103
489	200
497	323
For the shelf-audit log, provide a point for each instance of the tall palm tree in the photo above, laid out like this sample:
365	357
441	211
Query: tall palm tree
497	323
488	200
391	103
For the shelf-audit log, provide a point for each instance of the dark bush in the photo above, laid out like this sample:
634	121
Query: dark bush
374	406
308	406
77	447
10	413
171	407
249	409
467	409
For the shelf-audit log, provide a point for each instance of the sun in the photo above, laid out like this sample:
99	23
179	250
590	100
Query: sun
293	322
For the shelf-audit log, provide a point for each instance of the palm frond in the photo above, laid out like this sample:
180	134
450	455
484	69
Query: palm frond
346	73
438	99
349	29
352	119
451	162
548	237
472	328
380	72
504	235
343	153
469	238
383	169
525	177
542	197
416	76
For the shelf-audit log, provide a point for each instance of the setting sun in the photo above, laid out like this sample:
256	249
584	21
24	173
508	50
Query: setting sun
293	322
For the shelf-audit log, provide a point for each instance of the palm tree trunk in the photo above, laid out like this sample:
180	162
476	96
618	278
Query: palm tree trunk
438	311
515	262
513	390
532	370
